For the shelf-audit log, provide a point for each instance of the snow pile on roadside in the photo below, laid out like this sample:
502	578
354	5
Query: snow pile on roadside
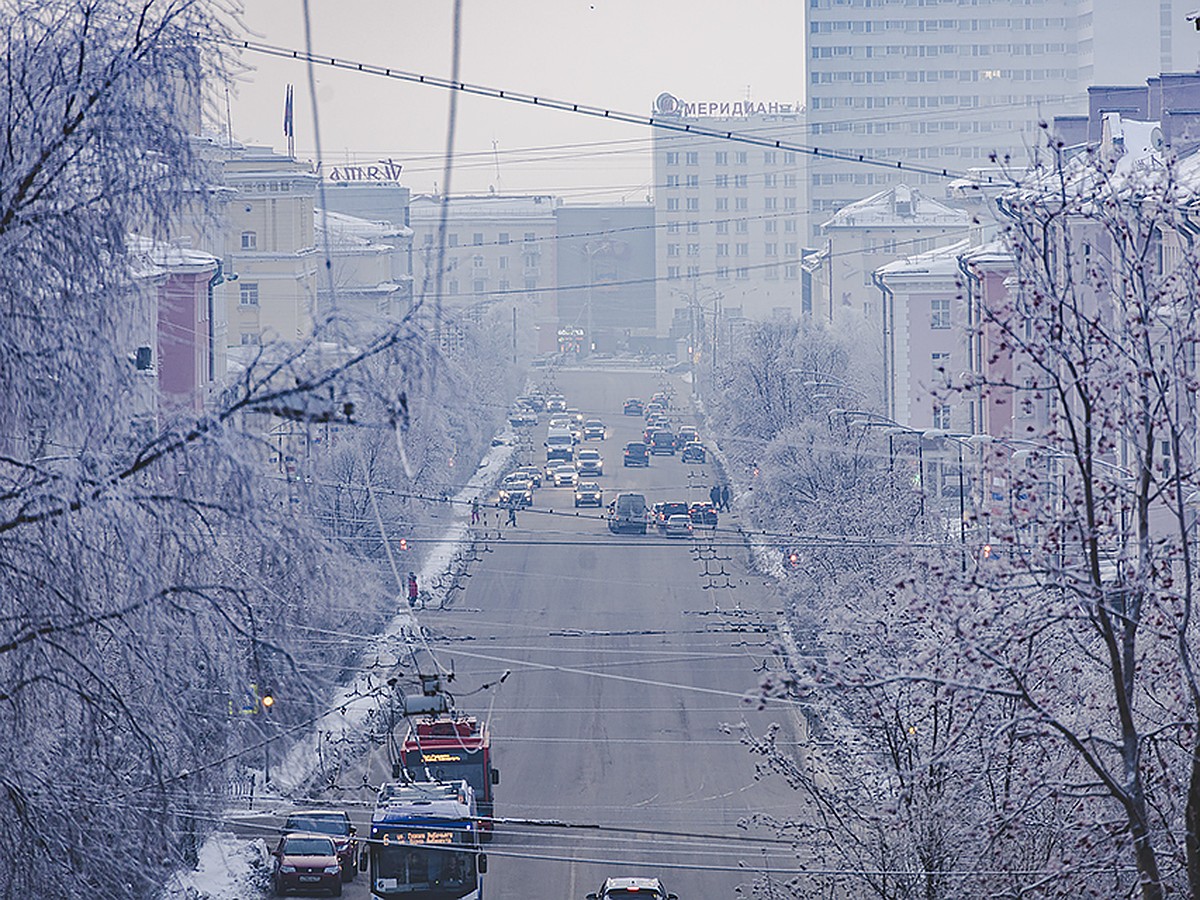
229	868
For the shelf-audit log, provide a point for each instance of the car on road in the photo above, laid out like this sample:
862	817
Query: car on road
589	494
662	442
703	513
332	822
560	445
534	400
687	434
589	463
306	862
631	888
627	513
693	452
562	475
633	407
661	397
664	511
516	490
594	428
652	408
556	403
533	473
637	454
678	526
522	418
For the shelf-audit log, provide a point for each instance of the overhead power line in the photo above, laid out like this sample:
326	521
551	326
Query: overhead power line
597	112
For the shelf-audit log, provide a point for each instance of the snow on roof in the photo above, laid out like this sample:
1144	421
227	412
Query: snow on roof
942	261
347	229
899	206
425	209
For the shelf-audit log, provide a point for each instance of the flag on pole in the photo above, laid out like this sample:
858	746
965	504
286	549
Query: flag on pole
289	130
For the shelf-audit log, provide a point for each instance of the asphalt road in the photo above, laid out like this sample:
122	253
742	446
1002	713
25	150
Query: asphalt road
627	655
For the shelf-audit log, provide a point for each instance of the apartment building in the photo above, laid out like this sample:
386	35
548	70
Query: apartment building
730	217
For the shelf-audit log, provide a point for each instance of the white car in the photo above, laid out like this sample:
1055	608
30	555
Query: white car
564	476
678	526
644	888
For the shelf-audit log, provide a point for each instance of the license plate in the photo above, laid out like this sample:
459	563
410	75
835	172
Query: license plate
310	878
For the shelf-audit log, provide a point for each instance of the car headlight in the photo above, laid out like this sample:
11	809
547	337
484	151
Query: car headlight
332	870
287	870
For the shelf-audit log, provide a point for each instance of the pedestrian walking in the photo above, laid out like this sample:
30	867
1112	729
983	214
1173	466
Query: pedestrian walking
725	497
714	494
512	514
412	588
475	511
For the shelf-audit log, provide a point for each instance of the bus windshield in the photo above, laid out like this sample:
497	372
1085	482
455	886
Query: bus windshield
420	867
468	768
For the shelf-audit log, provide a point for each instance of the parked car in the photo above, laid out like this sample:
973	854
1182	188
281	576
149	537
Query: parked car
703	513
594	429
336	824
627	888
637	454
693	452
633	407
306	862
678	526
589	494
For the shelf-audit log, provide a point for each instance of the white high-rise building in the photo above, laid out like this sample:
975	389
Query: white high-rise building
936	84
730	218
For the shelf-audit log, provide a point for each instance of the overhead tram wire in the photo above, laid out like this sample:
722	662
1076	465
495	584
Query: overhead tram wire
596	112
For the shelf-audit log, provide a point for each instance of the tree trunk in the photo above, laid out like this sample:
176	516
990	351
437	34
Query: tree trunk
1192	826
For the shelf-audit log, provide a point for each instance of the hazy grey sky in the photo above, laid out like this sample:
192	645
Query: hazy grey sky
618	54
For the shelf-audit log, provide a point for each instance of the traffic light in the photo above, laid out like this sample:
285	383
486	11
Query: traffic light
403	543
268	700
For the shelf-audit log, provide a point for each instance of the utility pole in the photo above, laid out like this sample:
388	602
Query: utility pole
514	335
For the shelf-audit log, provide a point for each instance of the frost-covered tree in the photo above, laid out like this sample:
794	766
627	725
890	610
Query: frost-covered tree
155	573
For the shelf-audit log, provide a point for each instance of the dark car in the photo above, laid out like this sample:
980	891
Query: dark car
664	511
627	513
662	442
703	513
693	452
594	428
633	407
589	494
637	454
306	862
332	822
687	434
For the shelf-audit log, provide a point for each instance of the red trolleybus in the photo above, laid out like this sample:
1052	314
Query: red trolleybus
445	749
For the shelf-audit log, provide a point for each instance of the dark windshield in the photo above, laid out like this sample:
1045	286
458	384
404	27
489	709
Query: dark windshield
674	509
301	846
418	867
321	824
470	770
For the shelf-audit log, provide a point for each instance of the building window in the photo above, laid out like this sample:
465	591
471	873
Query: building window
672	157
530	283
769	203
791	272
789	226
770	249
672	228
531	260
530	237
504	237
477	261
791	249
769	157
249	240
743	227
939	314
249	338
721	182
769	180
672	249
452	287
722	271
743	273
478	285
504	284
693	181
452	240
477	239
248	293
722	249
503	262
722	204
673	181
673	273
741	203
429	239
693	250
770	226
693	158
789	181
672	204
743	249
693	204
740	157
722	157
941	416
789	202
741	181
723	227
693	228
